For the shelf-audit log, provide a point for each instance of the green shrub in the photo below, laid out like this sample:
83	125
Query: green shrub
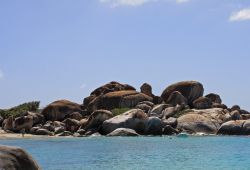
16	111
118	111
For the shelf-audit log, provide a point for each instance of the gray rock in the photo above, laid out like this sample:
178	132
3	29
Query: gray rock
59	129
65	133
24	122
43	132
134	119
170	122
13	158
159	108
154	126
97	118
123	132
169	130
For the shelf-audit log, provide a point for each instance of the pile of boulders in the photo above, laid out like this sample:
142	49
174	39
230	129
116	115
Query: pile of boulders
182	107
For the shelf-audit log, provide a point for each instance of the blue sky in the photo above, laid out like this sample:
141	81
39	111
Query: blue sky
64	49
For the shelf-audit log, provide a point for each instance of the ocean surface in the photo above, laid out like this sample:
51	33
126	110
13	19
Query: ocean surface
134	153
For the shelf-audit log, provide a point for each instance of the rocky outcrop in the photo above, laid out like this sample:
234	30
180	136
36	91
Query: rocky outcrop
37	118
191	90
97	118
59	109
13	158
147	89
238	127
118	99
206	121
202	103
8	124
43	132
177	98
154	126
75	115
107	88
215	98
134	119
123	132
71	125
23	123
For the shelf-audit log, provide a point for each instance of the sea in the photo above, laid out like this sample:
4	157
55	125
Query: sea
138	153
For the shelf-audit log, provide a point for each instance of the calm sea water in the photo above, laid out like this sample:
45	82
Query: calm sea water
138	153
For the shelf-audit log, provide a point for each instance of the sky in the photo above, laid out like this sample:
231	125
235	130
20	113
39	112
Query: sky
62	49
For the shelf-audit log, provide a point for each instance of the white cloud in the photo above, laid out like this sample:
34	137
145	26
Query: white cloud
182	1
83	86
1	74
241	15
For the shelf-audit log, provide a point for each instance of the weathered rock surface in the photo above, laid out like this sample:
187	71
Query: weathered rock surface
177	98
97	118
147	89
75	115
158	109
59	109
215	98
71	125
170	121
154	126
205	121
238	127
202	103
123	132
8	124
43	132
13	158
118	99
134	119
191	90
107	88
23	123
169	130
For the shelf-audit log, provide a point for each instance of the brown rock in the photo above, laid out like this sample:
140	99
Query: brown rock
147	89
59	109
13	158
202	103
215	98
192	90
24	122
176	98
71	125
118	99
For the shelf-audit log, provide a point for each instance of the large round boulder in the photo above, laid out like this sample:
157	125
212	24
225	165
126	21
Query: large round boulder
118	99
8	124
23	123
134	119
154	126
123	132
176	98
147	89
107	88
238	127
191	90
202	103
13	158
96	119
59	109
71	125
206	121
215	98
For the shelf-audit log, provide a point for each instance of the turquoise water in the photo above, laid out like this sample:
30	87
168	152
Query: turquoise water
138	153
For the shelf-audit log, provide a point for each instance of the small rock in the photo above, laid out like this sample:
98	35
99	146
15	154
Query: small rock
123	132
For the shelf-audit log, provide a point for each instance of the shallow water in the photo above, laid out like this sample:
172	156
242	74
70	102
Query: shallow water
138	152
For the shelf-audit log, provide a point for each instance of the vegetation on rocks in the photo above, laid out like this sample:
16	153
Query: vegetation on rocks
118	111
18	110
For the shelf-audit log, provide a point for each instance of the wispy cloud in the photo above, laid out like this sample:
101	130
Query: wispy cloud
1	74
134	3
241	15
